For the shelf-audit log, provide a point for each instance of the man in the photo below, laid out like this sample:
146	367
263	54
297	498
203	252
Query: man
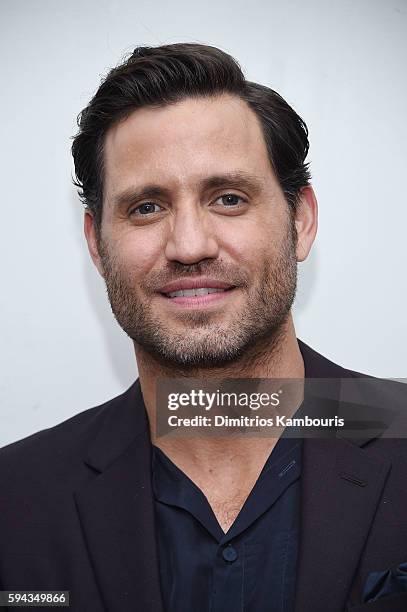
198	208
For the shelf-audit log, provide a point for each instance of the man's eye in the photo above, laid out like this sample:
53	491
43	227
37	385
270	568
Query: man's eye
145	209
230	200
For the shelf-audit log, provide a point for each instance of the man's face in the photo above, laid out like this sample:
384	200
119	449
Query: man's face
192	204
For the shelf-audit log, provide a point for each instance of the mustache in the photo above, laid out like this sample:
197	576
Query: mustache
217	270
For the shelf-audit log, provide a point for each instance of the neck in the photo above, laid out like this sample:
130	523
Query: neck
279	358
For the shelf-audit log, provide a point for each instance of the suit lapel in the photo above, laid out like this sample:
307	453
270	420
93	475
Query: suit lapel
116	509
341	488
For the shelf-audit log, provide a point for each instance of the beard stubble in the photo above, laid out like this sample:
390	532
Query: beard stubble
204	342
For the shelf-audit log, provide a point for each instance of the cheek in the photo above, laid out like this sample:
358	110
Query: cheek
249	241
138	252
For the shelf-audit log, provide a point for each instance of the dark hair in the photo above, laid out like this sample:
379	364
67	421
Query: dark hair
156	76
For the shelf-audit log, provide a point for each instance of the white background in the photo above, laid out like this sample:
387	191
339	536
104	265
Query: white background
342	65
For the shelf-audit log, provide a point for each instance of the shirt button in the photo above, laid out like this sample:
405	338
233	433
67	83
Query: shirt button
229	554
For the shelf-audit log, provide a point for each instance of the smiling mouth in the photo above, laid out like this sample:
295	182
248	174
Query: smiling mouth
198	297
198	292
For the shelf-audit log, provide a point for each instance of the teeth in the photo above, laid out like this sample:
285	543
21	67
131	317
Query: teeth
194	292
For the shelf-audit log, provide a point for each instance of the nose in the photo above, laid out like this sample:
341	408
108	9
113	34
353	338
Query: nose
192	238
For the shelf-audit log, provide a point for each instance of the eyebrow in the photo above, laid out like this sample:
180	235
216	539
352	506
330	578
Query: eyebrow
237	180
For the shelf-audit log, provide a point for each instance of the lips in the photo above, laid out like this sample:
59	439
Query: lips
194	287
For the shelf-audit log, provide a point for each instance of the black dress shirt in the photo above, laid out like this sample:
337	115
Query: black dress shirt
252	567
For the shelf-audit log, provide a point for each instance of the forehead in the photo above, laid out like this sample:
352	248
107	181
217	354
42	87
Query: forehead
184	142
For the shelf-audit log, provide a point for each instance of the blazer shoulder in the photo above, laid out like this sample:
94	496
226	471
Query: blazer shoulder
367	389
70	438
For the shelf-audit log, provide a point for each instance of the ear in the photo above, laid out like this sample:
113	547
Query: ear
306	222
90	234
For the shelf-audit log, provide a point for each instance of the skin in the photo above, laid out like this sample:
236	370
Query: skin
191	228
